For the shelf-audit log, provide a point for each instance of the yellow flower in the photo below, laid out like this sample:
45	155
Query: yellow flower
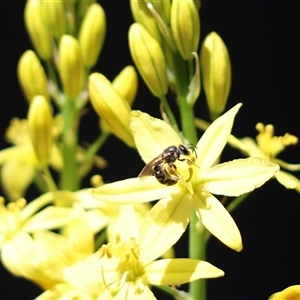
17	221
125	267
290	293
198	182
267	146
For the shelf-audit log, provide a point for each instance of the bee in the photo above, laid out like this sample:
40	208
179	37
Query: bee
163	167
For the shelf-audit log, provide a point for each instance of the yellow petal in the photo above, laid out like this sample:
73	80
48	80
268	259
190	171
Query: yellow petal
126	224
132	190
179	271
56	250
239	176
35	205
217	220
49	218
287	180
290	293
164	225
79	232
20	257
16	177
215	138
152	136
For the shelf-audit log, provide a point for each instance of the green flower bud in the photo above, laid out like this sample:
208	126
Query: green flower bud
143	16
92	34
126	83
216	73
149	59
40	128
111	106
37	29
185	26
54	15
71	69
32	76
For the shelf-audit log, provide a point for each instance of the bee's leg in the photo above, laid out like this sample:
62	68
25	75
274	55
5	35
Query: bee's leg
171	172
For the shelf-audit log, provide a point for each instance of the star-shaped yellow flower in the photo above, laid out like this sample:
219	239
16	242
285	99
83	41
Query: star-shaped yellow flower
17	222
199	180
267	146
125	267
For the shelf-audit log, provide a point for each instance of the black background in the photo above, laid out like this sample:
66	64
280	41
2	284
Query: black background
263	42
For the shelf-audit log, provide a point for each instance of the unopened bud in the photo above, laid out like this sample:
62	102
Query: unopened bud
92	34
111	107
185	26
37	29
126	83
143	16
40	128
149	59
32	76
216	73
54	15
71	69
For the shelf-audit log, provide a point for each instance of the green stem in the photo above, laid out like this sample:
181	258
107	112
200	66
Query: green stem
91	152
169	112
196	237
197	250
49	179
69	176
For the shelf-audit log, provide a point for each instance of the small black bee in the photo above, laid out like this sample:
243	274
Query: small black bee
163	167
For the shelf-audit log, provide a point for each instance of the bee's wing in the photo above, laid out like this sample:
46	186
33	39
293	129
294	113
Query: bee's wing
148	169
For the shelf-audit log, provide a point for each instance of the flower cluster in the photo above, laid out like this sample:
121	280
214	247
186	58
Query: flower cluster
108	240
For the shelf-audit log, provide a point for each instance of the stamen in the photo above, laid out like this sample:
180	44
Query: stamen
119	285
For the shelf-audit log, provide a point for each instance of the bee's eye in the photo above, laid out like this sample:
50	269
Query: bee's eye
183	149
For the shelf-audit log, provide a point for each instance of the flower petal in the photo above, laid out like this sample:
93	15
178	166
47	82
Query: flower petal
287	180
215	138
152	136
217	220
290	293
239	176
179	271
164	225
132	190
49	218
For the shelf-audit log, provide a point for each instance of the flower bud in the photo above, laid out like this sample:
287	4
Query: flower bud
143	16
54	16
40	128
92	34
163	8
32	76
216	73
149	59
126	83
71	69
111	106
37	29
185	26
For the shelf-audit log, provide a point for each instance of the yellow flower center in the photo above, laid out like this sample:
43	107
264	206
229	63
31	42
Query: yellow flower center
272	145
130	267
